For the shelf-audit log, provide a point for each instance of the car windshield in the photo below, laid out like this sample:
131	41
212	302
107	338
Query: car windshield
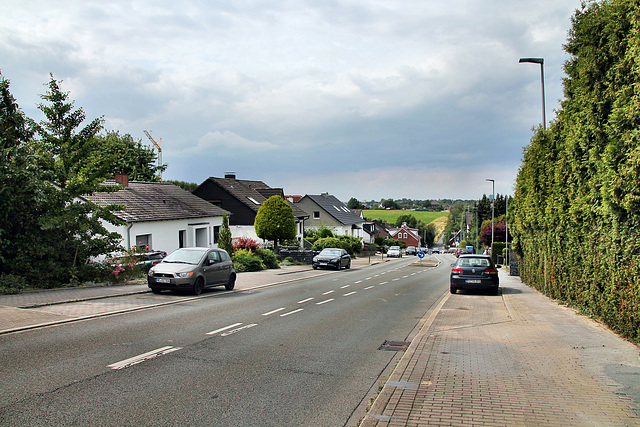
394	248
186	256
331	252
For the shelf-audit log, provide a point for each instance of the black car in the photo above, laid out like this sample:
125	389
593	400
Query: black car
412	250
193	269
332	258
474	272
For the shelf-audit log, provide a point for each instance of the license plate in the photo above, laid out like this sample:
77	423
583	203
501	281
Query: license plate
474	281
163	280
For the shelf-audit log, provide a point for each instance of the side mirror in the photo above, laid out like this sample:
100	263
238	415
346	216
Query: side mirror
453	265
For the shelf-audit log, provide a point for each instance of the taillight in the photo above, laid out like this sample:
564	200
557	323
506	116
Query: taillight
457	270
491	271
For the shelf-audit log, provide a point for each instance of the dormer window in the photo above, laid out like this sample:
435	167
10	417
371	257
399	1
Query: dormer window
253	200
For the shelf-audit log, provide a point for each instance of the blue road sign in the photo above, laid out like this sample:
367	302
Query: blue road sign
421	254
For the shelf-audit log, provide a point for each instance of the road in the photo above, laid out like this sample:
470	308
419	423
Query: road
302	353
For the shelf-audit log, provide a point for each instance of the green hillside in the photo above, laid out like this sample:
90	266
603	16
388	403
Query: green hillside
390	216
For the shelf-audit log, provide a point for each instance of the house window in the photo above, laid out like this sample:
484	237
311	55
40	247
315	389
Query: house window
316	214
182	238
216	234
405	235
143	240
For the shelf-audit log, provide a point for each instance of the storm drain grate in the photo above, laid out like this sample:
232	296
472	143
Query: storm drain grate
394	345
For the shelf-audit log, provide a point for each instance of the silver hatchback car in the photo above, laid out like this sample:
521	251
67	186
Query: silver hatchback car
193	269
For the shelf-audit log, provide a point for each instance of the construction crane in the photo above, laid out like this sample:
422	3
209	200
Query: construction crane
159	147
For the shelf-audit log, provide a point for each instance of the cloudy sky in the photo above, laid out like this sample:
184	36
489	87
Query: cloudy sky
423	99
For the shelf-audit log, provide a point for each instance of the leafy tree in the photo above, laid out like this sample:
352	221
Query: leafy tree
128	156
275	221
71	228
409	219
390	204
354	203
21	188
224	238
189	186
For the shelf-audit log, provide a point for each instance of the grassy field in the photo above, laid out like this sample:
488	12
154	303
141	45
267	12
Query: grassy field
391	216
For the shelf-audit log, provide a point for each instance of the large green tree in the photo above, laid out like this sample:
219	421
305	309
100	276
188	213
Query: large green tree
126	155
275	221
576	211
71	227
21	191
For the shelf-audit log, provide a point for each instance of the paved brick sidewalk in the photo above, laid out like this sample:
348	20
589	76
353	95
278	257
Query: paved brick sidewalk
514	360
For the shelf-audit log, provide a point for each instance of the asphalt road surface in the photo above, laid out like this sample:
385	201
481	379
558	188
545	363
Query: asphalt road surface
301	353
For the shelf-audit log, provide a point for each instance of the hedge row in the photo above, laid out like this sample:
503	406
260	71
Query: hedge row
576	210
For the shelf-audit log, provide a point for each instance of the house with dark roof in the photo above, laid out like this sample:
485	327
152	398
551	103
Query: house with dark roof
327	211
161	216
243	198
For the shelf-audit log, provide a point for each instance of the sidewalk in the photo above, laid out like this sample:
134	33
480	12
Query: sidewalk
516	360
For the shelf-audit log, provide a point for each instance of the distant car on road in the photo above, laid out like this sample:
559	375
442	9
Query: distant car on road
332	257
471	272
412	250
394	252
193	269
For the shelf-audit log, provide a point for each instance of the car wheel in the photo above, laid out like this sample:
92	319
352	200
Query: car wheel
496	291
339	265
348	265
198	286
155	291
315	267
452	290
231	283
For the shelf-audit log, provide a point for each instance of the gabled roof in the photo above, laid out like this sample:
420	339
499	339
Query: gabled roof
253	193
155	201
413	231
336	209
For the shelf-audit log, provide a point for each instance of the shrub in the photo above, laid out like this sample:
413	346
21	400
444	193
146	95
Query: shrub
12	284
269	259
245	260
245	243
354	244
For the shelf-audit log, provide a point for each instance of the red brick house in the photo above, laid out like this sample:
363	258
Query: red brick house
406	234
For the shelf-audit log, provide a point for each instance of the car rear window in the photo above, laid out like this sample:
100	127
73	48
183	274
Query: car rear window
474	262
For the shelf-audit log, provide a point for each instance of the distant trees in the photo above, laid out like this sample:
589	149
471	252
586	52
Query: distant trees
354	203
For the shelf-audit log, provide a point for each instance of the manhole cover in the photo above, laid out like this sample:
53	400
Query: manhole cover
394	345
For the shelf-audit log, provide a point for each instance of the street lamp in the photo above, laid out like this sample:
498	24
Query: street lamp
493	202
541	62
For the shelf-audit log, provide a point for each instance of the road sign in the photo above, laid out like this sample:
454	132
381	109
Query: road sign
421	254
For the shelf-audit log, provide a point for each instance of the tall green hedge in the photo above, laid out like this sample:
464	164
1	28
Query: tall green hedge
576	211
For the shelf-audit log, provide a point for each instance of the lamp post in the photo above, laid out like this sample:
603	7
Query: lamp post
493	202
541	62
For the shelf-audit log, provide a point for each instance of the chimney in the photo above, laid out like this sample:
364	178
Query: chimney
325	195
229	175
122	179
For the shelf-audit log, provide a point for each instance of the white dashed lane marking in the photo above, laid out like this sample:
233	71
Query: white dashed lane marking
142	357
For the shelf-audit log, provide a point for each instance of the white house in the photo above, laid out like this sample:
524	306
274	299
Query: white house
327	211
162	216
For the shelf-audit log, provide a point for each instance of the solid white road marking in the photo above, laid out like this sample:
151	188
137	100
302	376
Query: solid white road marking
273	311
142	357
223	329
305	300
291	312
325	301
